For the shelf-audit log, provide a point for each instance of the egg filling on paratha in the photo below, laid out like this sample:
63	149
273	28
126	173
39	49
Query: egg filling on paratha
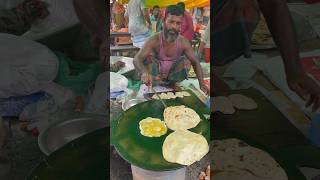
152	127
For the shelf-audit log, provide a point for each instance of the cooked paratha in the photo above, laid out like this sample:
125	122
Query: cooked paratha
234	158
171	95
184	147
222	104
242	102
164	96
185	93
180	117
179	94
155	96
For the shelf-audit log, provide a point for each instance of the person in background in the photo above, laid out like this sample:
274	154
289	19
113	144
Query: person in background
205	44
197	15
186	30
155	18
19	19
139	22
234	23
118	15
93	16
206	15
171	55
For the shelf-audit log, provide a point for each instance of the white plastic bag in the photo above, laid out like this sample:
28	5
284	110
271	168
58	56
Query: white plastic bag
117	82
26	66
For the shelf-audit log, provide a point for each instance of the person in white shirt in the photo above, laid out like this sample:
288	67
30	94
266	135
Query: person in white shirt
139	22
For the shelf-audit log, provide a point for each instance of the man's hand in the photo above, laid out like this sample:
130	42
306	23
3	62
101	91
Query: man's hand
149	26
306	88
146	79
205	175
204	88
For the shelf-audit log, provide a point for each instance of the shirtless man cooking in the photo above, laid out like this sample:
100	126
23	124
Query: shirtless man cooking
166	56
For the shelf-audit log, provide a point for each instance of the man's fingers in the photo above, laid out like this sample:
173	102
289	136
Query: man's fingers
202	175
147	79
316	104
208	171
299	90
310	100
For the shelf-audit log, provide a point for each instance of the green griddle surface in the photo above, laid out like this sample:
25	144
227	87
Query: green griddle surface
82	159
146	152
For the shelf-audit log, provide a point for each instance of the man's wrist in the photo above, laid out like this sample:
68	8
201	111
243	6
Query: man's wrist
201	83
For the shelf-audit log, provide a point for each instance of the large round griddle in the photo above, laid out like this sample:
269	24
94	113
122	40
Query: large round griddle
146	152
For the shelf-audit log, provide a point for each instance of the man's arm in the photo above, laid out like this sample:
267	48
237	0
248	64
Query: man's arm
142	55
93	15
195	64
281	26
280	23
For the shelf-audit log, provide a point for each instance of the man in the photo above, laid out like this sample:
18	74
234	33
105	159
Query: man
234	22
205	43
187	23
118	15
155	18
93	15
167	66
139	22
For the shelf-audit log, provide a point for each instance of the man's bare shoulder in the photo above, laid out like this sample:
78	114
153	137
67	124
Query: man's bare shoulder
153	40
155	37
184	42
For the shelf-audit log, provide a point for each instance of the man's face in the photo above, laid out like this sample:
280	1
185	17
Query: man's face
172	27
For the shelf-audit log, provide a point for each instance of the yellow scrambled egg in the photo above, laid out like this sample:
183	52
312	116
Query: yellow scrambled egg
152	127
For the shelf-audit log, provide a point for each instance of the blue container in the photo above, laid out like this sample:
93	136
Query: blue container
208	103
314	130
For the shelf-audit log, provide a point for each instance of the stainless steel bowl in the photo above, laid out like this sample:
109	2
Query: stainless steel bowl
131	102
60	133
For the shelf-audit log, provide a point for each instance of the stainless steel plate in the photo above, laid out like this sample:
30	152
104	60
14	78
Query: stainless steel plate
132	102
60	133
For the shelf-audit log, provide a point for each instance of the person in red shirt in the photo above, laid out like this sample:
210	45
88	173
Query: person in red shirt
187	23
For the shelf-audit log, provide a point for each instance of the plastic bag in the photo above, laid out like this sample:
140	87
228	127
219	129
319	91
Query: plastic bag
77	76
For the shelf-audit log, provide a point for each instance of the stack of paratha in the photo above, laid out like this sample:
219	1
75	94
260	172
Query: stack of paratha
183	146
171	95
226	105
234	159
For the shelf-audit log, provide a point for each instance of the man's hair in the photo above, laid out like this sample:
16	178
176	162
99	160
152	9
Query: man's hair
156	7
174	10
182	5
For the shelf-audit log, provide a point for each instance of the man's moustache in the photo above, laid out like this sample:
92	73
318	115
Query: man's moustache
173	31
